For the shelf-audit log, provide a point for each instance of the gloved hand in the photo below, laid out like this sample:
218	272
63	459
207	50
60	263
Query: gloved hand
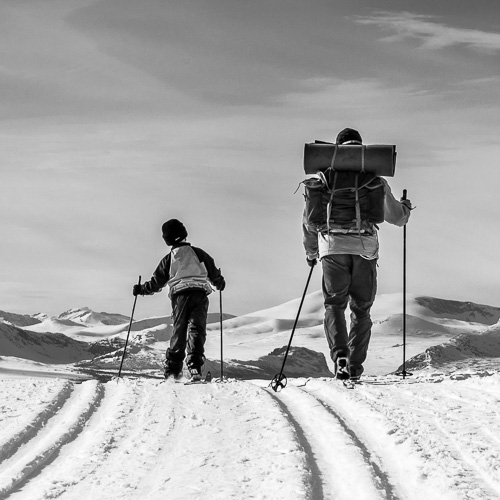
221	285
311	262
137	290
407	204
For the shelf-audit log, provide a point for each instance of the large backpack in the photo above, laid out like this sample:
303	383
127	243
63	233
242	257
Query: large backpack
344	202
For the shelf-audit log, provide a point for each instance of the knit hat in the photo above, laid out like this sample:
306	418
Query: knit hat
173	232
347	135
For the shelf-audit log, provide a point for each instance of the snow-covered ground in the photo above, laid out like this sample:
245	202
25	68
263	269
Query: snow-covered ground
432	435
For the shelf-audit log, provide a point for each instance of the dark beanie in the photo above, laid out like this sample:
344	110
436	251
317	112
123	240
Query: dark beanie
348	134
173	231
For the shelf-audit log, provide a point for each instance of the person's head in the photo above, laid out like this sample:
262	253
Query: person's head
349	136
173	231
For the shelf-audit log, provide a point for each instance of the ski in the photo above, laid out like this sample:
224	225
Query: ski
104	376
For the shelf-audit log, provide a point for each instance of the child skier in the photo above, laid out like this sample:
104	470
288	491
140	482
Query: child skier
188	272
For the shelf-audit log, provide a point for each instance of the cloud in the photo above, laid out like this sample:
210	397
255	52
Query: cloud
486	81
433	35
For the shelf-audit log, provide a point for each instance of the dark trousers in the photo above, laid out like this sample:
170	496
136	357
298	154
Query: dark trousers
349	279
189	314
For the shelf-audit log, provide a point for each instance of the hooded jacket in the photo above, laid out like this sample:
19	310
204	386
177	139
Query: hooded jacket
185	268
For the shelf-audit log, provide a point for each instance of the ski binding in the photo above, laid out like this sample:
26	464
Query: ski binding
206	380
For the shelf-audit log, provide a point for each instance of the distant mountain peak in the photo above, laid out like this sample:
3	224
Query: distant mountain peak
85	315
20	320
76	310
465	311
76	314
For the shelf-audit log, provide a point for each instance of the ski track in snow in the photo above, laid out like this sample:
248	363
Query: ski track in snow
432	440
314	440
343	470
143	439
37	450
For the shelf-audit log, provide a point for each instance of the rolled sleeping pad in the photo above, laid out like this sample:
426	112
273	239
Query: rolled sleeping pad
377	159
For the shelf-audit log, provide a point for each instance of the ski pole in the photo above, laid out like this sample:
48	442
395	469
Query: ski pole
221	340
129	328
403	372
279	380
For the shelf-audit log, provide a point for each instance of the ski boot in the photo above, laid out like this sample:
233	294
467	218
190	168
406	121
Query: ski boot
342	369
195	374
169	371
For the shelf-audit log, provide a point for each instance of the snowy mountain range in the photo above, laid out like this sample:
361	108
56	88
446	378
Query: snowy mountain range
439	333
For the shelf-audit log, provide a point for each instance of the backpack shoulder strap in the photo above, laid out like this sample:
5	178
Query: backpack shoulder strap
329	205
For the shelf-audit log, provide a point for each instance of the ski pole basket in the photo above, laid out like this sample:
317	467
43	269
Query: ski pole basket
278	382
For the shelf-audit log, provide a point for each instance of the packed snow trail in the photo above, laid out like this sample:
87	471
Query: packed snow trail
161	440
39	403
61	428
343	470
433	438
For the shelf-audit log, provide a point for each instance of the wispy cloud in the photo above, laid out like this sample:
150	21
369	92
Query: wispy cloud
486	81
434	35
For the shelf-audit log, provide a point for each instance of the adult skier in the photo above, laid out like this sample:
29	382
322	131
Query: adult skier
349	262
189	272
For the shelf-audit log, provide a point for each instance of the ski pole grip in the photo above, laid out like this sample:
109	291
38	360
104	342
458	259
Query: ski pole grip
404	194
139	282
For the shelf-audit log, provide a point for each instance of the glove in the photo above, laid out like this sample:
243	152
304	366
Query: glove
407	204
137	290
311	262
221	285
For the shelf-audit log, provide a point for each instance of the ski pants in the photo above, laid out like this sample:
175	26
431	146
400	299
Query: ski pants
189	314
349	279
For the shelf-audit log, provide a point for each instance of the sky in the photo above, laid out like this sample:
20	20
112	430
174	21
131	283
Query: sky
118	115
